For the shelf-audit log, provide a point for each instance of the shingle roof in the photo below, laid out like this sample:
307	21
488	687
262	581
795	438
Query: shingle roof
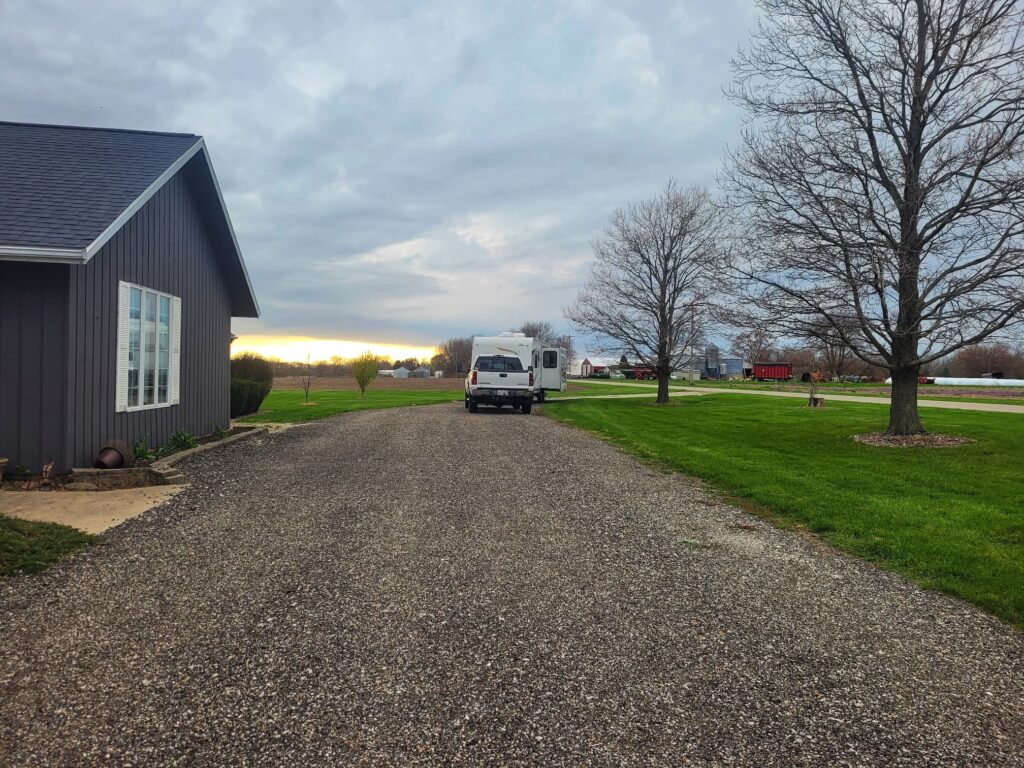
62	186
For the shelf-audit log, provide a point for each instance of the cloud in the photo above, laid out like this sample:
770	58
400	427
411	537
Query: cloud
399	170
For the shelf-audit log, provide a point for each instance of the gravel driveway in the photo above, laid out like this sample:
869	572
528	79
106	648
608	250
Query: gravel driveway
423	586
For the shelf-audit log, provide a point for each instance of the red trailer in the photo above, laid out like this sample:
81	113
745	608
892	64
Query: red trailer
773	371
644	374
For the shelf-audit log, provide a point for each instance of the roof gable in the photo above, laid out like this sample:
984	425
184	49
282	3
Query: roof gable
61	187
66	190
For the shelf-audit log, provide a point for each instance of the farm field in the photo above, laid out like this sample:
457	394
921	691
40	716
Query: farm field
285	406
382	382
952	519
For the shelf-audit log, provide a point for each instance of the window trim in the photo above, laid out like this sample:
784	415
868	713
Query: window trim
173	357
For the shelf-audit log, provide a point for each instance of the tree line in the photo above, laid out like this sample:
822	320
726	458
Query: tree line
454	354
452	358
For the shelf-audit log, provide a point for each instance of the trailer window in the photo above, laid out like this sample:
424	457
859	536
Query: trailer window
550	358
498	363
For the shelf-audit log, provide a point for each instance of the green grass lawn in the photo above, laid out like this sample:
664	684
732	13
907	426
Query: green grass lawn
27	547
950	518
590	389
287	406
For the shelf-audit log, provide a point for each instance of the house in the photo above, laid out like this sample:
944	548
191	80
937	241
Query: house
401	372
119	275
420	373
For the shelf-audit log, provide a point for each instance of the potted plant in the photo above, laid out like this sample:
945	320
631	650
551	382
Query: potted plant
3	467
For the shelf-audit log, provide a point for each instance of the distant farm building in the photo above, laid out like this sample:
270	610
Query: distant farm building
401	372
420	373
597	366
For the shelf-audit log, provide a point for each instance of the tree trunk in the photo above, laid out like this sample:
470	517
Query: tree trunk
662	386
903	418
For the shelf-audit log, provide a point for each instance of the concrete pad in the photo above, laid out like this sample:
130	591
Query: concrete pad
91	511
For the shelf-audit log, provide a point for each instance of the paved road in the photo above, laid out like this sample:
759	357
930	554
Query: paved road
956	405
423	586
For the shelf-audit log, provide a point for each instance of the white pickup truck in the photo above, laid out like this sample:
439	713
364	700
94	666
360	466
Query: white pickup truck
499	380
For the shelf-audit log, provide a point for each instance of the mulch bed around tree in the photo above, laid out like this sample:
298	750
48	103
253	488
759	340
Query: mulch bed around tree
882	440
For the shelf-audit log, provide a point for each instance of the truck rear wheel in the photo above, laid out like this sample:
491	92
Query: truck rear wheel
527	406
472	405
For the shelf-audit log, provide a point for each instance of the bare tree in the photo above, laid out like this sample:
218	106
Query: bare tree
455	354
832	352
989	358
364	370
881	176
755	344
545	332
646	295
310	373
539	329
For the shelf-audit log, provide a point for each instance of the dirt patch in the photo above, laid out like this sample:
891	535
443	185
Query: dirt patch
89	512
348	383
882	440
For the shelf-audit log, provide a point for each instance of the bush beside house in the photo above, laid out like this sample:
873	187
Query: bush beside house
252	378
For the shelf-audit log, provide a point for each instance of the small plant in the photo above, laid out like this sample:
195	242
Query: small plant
142	451
218	433
181	440
812	390
22	472
308	376
364	370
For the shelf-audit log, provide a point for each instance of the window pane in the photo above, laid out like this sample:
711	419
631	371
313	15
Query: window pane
134	341
498	363
149	349
163	349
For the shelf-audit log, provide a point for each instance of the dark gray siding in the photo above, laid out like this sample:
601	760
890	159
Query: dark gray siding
33	330
166	247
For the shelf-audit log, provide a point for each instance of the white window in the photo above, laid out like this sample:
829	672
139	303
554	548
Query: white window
148	348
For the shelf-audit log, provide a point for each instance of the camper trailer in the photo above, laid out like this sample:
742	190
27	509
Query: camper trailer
547	363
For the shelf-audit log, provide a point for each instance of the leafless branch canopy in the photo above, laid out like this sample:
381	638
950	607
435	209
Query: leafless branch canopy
880	178
646	293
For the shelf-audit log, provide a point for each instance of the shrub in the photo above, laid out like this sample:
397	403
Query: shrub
247	396
143	452
181	440
252	367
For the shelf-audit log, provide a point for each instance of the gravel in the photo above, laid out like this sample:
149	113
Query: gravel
422	586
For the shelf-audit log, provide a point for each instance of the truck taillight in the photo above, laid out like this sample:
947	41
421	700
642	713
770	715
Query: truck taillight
531	378
472	378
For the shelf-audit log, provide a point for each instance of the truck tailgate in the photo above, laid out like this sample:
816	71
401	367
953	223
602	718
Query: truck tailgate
494	380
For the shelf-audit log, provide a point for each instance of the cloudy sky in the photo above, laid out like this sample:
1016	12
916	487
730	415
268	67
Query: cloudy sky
400	171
